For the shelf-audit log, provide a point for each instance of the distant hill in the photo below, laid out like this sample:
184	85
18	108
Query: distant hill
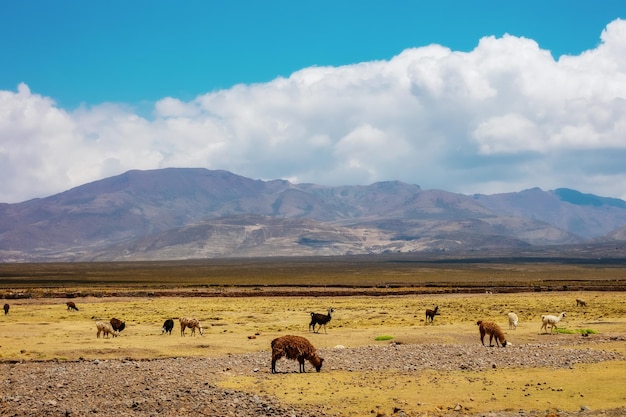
180	213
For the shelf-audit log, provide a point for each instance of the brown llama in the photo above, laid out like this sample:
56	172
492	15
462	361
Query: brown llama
430	314
71	306
6	309
581	303
192	323
297	348
493	330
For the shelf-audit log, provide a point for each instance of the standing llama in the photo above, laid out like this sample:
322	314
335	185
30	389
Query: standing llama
320	320
550	320
430	314
513	320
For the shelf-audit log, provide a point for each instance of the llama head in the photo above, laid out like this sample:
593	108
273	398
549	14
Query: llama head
317	362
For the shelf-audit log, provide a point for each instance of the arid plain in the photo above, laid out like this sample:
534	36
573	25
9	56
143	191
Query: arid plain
244	305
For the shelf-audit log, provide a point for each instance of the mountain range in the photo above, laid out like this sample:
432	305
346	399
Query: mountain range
188	213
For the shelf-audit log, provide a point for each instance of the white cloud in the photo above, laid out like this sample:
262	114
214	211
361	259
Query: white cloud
502	117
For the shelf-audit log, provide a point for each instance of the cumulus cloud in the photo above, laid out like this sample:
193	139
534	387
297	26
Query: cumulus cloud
502	117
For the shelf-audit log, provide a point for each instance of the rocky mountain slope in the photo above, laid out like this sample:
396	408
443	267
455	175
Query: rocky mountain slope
191	213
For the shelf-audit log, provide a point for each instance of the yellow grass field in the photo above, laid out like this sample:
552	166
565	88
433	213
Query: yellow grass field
43	329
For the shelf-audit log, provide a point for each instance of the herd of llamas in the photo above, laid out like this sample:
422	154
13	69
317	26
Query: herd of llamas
300	349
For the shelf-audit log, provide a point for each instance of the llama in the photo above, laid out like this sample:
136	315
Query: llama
71	306
6	309
430	314
551	321
106	329
581	303
118	325
493	330
320	320
297	348
192	323
168	325
513	320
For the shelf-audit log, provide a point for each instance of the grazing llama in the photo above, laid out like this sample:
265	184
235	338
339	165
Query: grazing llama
6	309
106	329
513	320
297	348
192	323
581	303
320	320
550	320
71	306
168	326
493	330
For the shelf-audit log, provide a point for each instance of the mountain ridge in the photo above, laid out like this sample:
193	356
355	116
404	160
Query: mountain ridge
180	213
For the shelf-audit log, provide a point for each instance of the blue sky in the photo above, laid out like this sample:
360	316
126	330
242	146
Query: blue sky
133	51
440	94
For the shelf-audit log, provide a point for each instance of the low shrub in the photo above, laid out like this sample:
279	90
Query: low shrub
575	331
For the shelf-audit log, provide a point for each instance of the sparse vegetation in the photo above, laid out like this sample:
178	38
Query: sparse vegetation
576	331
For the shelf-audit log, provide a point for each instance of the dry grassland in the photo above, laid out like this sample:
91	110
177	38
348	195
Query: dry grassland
43	329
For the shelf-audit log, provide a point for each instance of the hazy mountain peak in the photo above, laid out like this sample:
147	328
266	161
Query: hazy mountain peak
580	199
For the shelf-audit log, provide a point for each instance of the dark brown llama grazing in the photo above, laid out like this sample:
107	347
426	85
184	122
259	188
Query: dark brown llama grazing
493	330
430	314
297	348
6	309
118	325
320	320
71	306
